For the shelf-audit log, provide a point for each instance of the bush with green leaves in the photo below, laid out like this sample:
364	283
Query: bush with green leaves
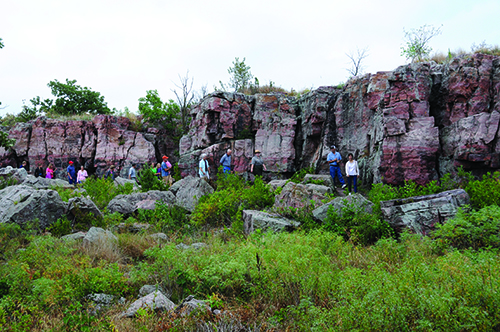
149	181
356	225
165	218
155	111
102	191
484	192
298	176
7	182
470	229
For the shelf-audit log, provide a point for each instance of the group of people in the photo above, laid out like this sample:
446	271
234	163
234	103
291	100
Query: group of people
48	173
163	171
351	169
256	164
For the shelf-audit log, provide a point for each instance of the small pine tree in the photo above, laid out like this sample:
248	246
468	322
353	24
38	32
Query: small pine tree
149	181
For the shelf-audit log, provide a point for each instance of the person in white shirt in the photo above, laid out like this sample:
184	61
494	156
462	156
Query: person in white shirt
352	172
204	168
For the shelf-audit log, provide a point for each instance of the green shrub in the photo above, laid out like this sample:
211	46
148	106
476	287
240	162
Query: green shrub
66	193
298	177
149	181
167	219
61	227
7	181
102	191
470	229
484	192
357	226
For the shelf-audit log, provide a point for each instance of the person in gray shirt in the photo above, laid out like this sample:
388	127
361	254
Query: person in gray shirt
257	164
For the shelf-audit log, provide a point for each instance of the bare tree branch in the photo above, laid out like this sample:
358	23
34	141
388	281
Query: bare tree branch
184	97
357	61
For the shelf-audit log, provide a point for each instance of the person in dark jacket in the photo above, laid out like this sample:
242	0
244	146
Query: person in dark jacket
39	171
111	173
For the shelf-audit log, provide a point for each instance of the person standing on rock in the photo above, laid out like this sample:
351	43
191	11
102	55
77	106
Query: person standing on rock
166	170
352	172
49	172
334	159
71	171
110	173
204	168
225	161
82	175
132	173
257	164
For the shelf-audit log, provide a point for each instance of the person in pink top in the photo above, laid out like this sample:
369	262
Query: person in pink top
49	172
82	175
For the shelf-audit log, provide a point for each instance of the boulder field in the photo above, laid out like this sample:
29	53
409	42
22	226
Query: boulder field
417	123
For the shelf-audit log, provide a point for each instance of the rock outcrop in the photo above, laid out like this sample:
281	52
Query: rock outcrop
129	204
416	122
189	190
253	220
356	202
420	214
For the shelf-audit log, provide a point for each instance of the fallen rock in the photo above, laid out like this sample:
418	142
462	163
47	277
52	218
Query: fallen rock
148	289
274	184
75	236
159	237
298	195
253	219
196	246
20	204
321	179
356	201
19	174
82	206
189	190
132	228
119	181
420	214
155	301
97	235
43	183
129	204
189	304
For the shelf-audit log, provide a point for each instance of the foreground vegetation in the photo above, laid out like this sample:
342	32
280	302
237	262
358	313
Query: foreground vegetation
321	277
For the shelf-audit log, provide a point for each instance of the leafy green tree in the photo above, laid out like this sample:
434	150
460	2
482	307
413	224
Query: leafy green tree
154	110
241	77
71	99
417	42
5	142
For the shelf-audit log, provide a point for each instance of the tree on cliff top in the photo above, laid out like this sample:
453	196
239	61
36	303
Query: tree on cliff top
155	111
71	99
184	98
241	77
357	61
417	42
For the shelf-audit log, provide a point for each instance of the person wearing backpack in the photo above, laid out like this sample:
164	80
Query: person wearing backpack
352	172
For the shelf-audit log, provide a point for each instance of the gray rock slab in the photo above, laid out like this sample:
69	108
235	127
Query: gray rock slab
420	214
159	237
148	289
253	219
356	200
20	204
19	174
190	304
83	205
74	236
155	301
97	235
324	178
189	190
119	181
276	183
43	183
129	204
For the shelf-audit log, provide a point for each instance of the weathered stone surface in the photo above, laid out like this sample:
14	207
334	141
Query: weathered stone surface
148	289
356	200
277	183
121	181
19	174
20	204
81	206
326	180
253	220
196	246
43	183
132	228
129	204
155	301
159	237
421	214
97	235
190	304
189	190
75	236
298	195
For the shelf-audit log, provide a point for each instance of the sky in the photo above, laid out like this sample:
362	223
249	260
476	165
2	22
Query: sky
124	48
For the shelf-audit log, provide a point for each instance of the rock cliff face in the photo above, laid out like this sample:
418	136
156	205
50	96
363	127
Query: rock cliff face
417	122
96	144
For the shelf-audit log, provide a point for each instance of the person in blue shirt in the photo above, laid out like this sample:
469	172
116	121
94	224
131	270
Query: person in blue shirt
166	168
71	173
334	159
225	161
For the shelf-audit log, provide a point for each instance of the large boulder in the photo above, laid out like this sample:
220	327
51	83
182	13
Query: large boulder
19	174
298	195
420	214
155	301
189	190
119	181
253	220
190	304
20	204
129	204
321	179
356	202
81	206
99	236
274	184
43	183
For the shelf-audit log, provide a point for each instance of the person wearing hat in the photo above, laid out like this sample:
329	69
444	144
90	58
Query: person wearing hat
257	164
225	161
71	173
334	159
166	168
110	174
203	167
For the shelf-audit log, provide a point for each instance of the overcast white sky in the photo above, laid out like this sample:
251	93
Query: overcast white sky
123	48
